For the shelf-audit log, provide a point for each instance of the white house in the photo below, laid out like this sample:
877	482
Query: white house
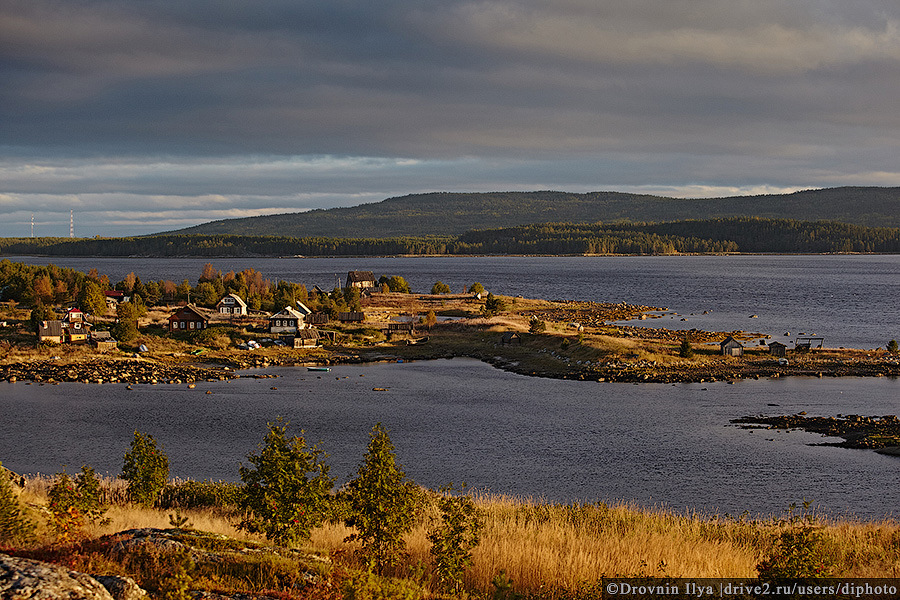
232	305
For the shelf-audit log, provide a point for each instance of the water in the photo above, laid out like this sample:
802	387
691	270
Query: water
461	420
849	300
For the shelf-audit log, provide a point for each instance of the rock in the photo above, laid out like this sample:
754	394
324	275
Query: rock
122	588
23	578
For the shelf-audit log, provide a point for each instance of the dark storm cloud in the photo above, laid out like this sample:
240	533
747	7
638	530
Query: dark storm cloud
236	106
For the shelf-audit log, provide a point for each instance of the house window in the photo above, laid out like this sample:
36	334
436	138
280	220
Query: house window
183	325
192	325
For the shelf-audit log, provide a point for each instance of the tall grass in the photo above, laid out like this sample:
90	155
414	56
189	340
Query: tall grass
560	550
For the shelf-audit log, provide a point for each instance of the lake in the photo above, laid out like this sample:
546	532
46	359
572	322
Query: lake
461	420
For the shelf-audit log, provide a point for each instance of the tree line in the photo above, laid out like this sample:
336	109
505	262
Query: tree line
739	234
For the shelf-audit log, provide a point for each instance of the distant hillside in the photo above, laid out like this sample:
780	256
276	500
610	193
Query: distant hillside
445	213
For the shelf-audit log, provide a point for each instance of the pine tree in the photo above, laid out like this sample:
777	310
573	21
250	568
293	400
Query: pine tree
15	527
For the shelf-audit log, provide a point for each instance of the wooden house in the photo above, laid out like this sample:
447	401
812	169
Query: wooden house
777	349
510	337
231	305
304	338
75	329
361	279
103	341
351	317
287	320
188	318
303	310
51	332
731	347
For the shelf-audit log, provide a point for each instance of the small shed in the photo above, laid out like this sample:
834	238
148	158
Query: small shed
188	318
351	317
731	347
402	326
318	318
103	341
304	338
778	349
510	337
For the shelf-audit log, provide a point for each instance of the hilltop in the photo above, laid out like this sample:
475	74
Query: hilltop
447	213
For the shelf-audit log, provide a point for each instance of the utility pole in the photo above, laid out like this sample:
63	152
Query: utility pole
32	224
71	223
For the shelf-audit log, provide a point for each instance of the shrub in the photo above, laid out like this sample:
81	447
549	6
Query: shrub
15	527
800	550
536	326
476	288
146	469
286	493
200	494
892	347
440	287
686	350
452	543
382	503
74	504
492	305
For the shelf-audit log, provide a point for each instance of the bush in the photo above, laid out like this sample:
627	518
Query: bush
146	469
192	494
15	527
476	288
382	503
287	493
440	287
493	305
800	550
892	347
452	543
536	326
686	350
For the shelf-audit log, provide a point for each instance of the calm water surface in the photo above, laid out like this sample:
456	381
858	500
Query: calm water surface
463	421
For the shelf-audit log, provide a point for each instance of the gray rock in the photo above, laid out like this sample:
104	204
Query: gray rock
122	588
26	579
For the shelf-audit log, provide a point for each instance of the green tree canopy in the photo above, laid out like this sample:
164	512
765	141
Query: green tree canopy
382	503
146	469
286	488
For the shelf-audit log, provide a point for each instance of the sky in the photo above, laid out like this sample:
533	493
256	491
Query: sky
141	116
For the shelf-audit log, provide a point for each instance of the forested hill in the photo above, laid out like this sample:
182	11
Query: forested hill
741	234
447	213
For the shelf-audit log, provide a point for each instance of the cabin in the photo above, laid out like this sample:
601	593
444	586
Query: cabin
304	338
778	349
510	337
50	332
287	320
231	305
351	317
361	279
188	318
303	310
103	341
731	347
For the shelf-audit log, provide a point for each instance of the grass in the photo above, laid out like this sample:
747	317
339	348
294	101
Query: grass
548	550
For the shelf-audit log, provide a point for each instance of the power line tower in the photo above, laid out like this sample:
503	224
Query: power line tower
71	223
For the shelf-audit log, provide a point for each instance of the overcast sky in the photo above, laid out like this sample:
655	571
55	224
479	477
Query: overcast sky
149	115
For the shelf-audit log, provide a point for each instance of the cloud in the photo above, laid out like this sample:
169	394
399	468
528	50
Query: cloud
243	106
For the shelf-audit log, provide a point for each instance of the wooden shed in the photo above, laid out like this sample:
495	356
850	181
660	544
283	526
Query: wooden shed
731	347
103	341
511	337
777	349
304	338
351	317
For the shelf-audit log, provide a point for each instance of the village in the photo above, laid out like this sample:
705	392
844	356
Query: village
591	341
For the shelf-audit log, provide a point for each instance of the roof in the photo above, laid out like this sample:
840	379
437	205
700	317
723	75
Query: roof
101	335
357	276
188	312
307	334
73	314
50	329
288	312
777	344
237	300
303	309
510	335
730	342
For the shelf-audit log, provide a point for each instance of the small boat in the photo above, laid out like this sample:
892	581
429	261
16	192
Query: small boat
318	368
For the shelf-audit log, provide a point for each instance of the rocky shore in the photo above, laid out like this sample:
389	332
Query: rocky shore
98	370
879	432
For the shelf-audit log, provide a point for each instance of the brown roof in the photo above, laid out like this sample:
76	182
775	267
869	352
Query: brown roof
357	276
188	312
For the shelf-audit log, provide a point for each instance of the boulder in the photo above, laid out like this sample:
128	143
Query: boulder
23	578
122	588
